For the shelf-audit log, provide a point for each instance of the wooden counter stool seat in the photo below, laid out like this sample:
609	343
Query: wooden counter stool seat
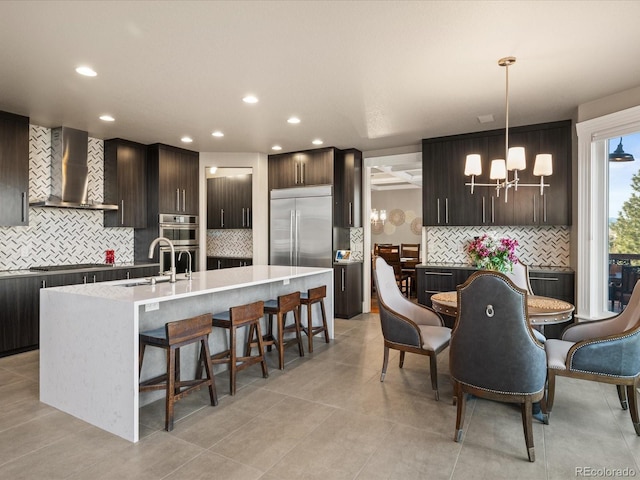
308	298
280	308
232	319
172	337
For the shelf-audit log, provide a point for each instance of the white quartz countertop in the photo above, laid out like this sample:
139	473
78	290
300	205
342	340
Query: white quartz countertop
210	281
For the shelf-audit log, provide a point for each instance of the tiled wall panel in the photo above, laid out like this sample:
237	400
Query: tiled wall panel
230	243
62	236
540	246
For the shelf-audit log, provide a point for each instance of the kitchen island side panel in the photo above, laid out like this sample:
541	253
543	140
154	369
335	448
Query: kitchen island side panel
88	360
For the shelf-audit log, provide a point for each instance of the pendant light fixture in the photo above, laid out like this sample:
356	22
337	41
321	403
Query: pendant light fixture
515	157
619	155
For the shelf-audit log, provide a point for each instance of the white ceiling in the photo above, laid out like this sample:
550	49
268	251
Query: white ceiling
366	74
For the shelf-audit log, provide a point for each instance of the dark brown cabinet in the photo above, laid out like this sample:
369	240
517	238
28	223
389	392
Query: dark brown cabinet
347	189
125	165
300	169
347	289
174	180
229	202
20	319
217	263
447	201
20	301
14	170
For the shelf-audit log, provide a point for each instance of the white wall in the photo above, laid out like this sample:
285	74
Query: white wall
260	204
402	207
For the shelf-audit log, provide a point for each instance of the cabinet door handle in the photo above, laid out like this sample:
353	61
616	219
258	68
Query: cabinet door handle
483	208
493	209
438	209
84	279
350	213
342	271
218	264
440	274
94	278
222	217
296	173
243	222
43	284
121	212
446	210
545	279
184	200
544	209
25	207
128	275
177	199
302	173
248	216
534	209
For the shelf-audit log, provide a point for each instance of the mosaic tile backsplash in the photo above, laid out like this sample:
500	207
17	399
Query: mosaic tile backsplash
539	246
62	236
230	243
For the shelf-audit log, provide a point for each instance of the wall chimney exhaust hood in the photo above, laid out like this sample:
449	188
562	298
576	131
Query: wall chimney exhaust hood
70	172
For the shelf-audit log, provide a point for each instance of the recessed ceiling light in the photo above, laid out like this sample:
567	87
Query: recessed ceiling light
187	139
86	71
107	118
213	170
250	99
317	141
294	120
276	147
217	133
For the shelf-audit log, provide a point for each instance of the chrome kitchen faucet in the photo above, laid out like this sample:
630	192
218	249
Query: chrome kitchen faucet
172	270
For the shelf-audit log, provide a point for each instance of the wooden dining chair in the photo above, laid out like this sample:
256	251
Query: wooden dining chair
391	255
410	256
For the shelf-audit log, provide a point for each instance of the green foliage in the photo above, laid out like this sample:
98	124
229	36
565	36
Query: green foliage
624	234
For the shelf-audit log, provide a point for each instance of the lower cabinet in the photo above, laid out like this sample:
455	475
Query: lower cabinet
20	302
216	263
347	290
547	283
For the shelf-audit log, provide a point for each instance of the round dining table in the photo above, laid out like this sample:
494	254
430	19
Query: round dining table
542	310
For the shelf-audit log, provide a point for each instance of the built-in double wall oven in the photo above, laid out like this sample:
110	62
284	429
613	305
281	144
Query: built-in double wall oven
183	231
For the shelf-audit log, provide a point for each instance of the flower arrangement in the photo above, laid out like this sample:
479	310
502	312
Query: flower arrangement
488	253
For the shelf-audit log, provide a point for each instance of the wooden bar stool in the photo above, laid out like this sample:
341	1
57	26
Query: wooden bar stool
280	307
172	337
236	317
308	298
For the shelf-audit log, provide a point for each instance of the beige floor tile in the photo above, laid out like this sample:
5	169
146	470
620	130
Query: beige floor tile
22	412
37	433
63	458
209	465
337	449
409	453
18	391
153	457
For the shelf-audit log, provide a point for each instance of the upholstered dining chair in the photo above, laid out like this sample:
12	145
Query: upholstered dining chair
606	351
520	276
407	326
494	353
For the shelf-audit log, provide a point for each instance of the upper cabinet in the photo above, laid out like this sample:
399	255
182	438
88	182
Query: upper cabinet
300	169
229	202
176	172
14	170
324	166
125	165
347	190
447	201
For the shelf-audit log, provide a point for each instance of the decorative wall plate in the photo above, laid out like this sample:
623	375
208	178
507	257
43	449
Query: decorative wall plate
396	216
416	226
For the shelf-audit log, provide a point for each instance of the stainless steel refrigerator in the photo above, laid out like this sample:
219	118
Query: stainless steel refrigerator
301	229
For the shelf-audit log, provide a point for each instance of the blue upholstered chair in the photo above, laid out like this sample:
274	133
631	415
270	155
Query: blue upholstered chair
493	352
407	326
606	351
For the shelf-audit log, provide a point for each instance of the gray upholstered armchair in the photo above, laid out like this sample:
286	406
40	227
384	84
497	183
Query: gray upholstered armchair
606	351
494	353
406	326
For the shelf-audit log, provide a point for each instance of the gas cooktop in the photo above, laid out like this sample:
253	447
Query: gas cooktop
75	266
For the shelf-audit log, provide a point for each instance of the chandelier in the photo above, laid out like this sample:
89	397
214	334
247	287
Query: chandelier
378	217
515	158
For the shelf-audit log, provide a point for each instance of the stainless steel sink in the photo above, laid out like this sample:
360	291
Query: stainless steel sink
146	281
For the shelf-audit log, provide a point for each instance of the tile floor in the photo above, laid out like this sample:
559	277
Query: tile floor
326	416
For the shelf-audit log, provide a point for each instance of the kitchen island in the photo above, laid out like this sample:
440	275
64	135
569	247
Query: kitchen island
89	334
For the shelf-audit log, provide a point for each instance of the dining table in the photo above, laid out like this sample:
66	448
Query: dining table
542	310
